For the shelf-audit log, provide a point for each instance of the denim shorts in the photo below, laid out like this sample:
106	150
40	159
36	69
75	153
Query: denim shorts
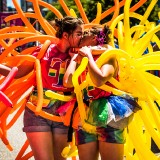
34	123
108	134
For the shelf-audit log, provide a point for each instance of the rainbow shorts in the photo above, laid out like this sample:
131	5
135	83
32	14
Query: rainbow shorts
104	134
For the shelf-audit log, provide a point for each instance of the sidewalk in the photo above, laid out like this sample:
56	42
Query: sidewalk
16	138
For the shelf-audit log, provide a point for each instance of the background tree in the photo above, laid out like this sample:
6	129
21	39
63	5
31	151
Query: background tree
90	8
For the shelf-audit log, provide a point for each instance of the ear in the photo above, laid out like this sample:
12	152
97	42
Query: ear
65	35
94	39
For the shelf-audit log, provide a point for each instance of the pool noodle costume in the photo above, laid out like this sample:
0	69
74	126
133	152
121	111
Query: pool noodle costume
134	78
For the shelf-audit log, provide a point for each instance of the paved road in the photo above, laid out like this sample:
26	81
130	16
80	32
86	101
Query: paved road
16	138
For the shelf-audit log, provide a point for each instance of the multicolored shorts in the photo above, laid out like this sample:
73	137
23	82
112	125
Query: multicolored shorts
108	134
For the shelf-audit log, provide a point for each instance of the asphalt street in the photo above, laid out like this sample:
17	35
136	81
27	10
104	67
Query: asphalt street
16	138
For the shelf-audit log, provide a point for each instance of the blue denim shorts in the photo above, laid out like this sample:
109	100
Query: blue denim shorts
34	123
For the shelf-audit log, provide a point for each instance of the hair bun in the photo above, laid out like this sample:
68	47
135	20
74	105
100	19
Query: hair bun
58	22
106	30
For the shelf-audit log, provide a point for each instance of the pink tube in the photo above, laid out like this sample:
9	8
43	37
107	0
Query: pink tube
8	79
5	99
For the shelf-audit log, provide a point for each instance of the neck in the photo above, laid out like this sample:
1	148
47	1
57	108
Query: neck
62	46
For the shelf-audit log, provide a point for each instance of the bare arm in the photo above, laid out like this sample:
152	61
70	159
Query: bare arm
23	69
99	76
102	75
67	79
4	70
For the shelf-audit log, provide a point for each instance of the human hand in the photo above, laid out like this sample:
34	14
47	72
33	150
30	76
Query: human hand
72	52
78	58
86	52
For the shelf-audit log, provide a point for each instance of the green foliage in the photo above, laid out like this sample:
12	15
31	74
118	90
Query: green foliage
90	8
153	17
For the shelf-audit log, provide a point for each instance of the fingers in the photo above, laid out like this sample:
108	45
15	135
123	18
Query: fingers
74	50
78	59
85	51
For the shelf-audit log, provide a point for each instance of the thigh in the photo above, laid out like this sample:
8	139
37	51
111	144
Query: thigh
59	143
111	143
60	138
41	144
111	151
87	145
47	138
88	151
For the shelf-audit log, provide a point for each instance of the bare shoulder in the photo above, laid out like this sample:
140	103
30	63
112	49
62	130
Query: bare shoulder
108	47
97	50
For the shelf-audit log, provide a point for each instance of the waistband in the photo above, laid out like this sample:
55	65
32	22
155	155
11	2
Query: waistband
47	101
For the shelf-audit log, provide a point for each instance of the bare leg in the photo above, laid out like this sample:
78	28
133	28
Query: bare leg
60	142
111	151
41	144
88	151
